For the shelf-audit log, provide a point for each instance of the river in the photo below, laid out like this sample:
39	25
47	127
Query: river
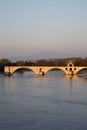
50	102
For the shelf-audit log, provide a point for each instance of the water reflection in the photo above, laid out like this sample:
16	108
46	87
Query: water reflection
53	101
71	77
18	78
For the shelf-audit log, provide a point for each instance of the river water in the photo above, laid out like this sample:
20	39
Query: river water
50	102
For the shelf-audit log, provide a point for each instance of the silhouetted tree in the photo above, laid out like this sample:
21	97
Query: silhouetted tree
4	62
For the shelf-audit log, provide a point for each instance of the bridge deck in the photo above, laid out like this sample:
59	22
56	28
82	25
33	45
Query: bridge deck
44	69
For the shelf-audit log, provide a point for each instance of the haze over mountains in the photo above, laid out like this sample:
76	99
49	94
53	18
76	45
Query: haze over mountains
44	55
40	55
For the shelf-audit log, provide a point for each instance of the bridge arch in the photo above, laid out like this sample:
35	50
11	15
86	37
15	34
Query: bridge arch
81	69
21	69
14	69
55	68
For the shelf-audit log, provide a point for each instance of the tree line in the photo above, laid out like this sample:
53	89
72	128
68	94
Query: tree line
44	62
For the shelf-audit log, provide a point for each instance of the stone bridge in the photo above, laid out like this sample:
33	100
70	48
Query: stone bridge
70	69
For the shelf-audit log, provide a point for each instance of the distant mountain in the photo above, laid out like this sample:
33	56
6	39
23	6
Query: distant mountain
45	55
40	55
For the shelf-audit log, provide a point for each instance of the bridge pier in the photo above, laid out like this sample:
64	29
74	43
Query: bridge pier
70	73
40	72
7	73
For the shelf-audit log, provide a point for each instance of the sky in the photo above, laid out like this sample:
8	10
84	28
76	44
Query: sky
31	26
